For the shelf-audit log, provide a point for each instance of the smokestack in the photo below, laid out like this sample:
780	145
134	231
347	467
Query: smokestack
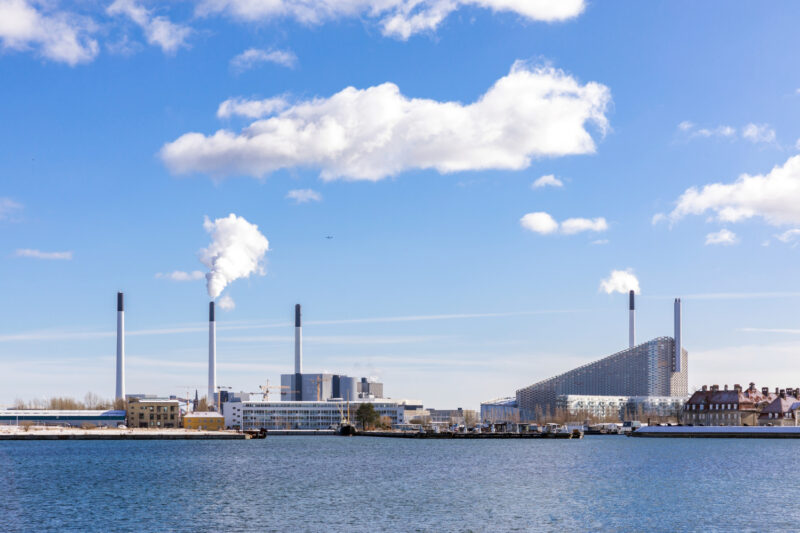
120	392
298	341
631	322
212	356
678	351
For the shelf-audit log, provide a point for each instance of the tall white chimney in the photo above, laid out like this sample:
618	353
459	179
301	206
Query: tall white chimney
212	356
631	322
678	348
120	392
298	341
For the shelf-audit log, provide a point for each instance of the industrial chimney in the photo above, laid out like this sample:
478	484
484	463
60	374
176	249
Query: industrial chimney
631	322
212	356
298	341
120	392
678	348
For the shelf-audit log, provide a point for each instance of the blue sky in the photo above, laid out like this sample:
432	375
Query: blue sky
651	99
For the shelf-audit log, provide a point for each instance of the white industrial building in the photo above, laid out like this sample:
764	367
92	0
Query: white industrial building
602	406
302	415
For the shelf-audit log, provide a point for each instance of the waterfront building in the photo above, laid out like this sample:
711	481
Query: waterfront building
783	410
302	415
153	413
453	416
208	421
72	418
649	369
711	406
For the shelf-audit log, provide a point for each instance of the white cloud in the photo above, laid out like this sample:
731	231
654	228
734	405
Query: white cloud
59	36
797	145
254	57
542	223
158	30
547	181
374	133
621	281
539	222
657	218
758	133
226	303
9	208
38	254
397	18
578	225
775	196
789	236
251	108
180	275
723	236
599	242
301	196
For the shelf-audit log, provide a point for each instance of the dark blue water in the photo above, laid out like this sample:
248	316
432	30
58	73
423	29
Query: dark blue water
372	484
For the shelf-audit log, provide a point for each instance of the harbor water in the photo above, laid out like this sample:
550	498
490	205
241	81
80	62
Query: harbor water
599	483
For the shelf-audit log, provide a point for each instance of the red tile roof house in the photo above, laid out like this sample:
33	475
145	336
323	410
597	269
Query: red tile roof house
735	407
783	410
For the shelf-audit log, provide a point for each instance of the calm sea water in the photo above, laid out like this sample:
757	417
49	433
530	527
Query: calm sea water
372	484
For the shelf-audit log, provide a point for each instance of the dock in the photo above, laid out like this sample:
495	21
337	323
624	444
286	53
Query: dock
718	432
462	436
121	434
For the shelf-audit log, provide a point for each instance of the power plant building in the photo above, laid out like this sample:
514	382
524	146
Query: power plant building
657	368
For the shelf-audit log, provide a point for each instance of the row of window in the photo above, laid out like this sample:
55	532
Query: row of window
713	406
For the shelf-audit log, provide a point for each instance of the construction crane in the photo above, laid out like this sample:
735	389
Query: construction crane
319	380
266	388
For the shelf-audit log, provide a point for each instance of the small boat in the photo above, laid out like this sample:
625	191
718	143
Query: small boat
347	430
256	433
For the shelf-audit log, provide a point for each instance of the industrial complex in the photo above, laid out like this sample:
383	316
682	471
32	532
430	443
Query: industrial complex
651	375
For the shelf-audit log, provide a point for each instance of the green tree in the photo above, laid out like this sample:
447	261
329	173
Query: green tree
367	416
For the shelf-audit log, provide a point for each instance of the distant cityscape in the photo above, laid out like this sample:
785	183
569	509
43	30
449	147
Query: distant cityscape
646	381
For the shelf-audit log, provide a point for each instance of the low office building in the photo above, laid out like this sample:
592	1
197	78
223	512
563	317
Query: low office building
453	416
711	406
783	410
48	417
208	421
302	415
155	413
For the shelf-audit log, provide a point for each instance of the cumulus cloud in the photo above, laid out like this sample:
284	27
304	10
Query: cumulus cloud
544	224
774	196
397	18
547	181
56	35
158	30
9	208
236	251
301	196
374	133
755	133
180	275
539	222
251	108
622	281
38	254
724	237
226	303
254	57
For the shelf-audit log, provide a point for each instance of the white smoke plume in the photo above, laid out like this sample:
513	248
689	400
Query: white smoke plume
620	281
237	250
226	303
